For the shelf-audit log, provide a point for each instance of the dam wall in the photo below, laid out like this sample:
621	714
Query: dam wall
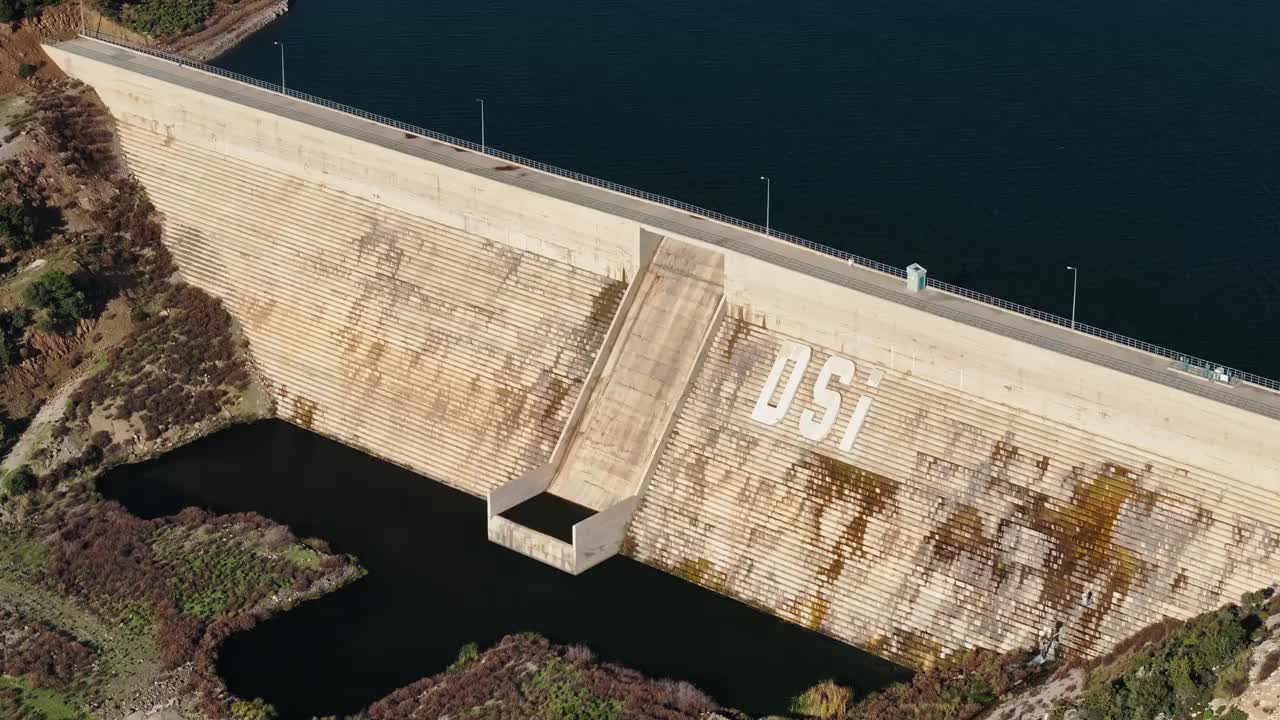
910	472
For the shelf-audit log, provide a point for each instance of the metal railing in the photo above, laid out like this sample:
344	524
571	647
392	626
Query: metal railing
1186	362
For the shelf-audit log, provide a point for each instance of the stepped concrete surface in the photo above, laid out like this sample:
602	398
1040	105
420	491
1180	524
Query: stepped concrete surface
913	472
951	521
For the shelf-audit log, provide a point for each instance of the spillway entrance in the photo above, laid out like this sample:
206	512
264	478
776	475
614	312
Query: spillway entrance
606	453
550	515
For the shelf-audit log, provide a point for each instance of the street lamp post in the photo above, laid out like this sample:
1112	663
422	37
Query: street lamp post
1075	282
282	87
483	144
768	201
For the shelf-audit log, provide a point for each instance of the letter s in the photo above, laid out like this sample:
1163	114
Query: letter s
827	399
790	352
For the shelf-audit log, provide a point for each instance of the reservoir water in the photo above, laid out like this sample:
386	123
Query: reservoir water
994	142
435	583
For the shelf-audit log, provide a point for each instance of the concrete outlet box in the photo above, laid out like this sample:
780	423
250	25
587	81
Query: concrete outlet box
916	277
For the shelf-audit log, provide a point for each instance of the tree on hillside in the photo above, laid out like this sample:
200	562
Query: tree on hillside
11	10
57	293
19	481
12	325
159	18
17	229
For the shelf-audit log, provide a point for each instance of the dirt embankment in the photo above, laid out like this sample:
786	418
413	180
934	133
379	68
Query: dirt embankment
20	45
229	25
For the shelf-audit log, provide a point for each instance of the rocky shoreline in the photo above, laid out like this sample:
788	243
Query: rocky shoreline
223	33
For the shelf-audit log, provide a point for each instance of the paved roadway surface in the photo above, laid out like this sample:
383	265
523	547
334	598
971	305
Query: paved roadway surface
1008	324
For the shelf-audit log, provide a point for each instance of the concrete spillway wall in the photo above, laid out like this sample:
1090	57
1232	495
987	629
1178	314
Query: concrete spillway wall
858	462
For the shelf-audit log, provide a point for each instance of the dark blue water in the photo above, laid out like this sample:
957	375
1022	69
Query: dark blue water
435	583
993	141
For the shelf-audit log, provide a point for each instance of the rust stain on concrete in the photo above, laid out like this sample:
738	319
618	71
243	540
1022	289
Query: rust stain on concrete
1086	565
738	330
605	303
920	650
304	411
557	391
511	402
810	612
701	571
962	534
831	483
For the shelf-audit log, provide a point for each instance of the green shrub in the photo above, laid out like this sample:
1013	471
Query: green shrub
255	709
557	688
17	229
11	10
467	654
12	323
18	482
26	70
159	18
57	293
1179	673
1233	678
825	700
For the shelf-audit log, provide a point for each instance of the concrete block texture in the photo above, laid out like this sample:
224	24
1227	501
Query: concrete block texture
419	342
950	520
543	548
600	536
523	487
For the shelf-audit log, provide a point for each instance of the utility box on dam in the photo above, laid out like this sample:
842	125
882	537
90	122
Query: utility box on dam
910	472
917	277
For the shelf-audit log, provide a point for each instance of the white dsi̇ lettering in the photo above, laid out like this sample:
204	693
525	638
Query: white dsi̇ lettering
826	398
855	424
792	352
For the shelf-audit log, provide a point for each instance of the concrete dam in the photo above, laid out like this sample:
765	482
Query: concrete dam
897	466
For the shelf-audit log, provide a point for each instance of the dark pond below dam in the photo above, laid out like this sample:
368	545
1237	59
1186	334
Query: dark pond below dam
435	583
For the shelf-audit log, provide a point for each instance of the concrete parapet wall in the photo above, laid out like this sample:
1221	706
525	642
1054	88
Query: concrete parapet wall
941	476
600	536
543	548
524	486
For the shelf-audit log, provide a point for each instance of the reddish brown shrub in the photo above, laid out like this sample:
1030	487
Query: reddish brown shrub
43	655
491	687
1269	665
